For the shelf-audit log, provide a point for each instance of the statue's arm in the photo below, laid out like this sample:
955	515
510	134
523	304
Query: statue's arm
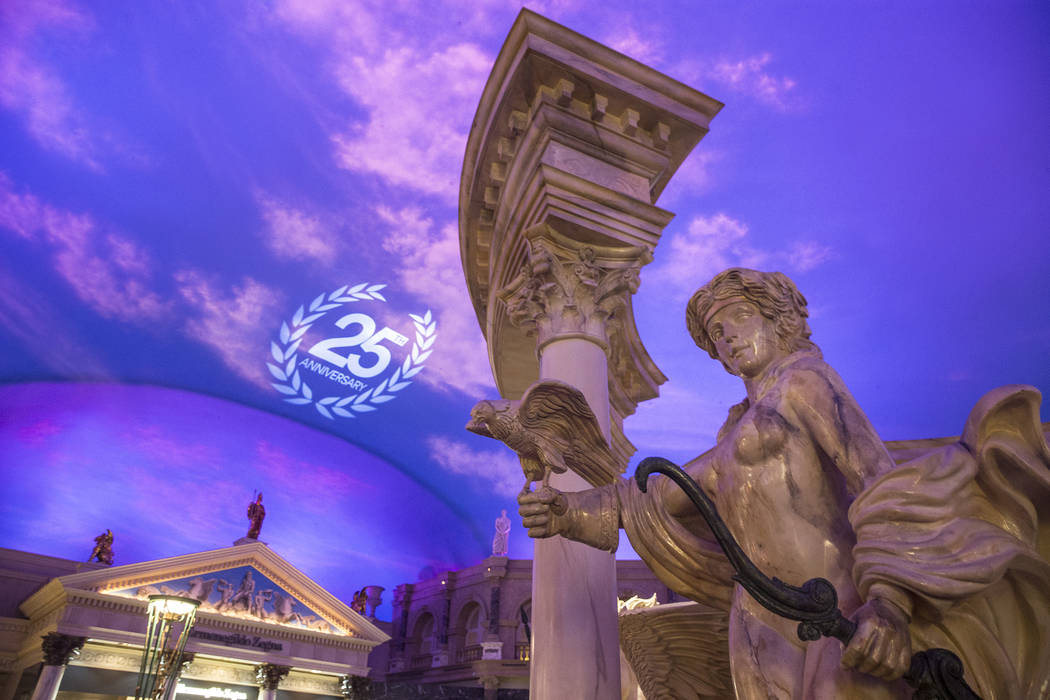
591	517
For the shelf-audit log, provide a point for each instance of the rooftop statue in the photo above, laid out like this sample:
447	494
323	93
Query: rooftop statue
948	549
256	515
103	550
499	540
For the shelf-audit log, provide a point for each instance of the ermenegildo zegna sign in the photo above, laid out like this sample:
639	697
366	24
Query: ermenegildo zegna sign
215	692
239	640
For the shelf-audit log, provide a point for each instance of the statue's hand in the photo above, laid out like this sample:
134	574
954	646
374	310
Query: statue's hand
881	646
540	509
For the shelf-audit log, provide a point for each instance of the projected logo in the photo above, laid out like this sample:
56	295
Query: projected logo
338	356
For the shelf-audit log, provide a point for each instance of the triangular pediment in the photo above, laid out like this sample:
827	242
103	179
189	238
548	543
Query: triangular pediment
249	582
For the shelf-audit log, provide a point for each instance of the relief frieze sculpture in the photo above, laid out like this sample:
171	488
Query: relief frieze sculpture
946	548
242	593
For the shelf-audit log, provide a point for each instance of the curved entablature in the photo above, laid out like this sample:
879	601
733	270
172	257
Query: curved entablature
578	140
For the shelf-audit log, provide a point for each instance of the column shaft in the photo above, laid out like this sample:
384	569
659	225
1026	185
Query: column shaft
575	648
48	682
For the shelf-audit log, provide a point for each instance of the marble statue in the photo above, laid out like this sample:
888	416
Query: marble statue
256	515
499	540
103	550
947	549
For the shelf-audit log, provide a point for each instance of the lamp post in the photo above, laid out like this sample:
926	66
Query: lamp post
161	655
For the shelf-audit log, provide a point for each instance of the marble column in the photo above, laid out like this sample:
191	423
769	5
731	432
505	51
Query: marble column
58	650
269	677
571	146
567	297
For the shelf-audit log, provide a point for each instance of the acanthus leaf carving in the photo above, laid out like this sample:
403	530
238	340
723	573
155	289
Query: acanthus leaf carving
565	291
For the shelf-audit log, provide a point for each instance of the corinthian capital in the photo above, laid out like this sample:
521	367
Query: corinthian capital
566	289
60	649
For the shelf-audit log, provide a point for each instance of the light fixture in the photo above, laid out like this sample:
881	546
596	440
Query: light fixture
162	657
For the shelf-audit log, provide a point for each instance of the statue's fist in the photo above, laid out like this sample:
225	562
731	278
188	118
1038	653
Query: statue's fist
881	646
540	509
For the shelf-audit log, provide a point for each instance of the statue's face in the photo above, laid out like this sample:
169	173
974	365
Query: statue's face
745	340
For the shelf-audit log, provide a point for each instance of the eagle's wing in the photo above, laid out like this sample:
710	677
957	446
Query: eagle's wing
678	651
558	414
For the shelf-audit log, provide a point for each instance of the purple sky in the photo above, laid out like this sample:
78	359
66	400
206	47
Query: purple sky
176	179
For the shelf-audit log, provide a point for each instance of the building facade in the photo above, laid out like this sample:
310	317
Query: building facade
471	628
264	630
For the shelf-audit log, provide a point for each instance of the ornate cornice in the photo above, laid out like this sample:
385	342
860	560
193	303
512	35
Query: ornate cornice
576	141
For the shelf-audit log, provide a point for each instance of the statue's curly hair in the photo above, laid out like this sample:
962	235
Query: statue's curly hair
773	293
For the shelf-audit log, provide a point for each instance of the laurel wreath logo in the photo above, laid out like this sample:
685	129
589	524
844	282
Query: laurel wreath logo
286	356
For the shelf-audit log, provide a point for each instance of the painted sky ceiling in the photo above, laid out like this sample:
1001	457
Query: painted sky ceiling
177	179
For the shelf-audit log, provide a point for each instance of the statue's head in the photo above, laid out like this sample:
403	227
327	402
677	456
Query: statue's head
772	293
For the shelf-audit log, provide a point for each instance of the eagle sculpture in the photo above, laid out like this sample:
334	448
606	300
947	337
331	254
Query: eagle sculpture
552	429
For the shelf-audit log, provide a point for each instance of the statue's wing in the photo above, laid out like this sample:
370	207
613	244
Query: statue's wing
559	414
678	651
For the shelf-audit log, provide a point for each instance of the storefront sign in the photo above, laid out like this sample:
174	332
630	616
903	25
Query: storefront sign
212	692
239	640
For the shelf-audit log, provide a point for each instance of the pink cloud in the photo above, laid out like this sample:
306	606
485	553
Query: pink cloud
749	76
294	234
110	273
416	133
32	89
419	92
428	267
182	452
630	43
235	324
299	480
497	469
713	243
38	432
44	331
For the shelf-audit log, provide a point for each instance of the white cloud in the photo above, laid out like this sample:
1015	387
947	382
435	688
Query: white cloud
30	316
748	76
418	92
804	256
497	469
428	267
419	106
630	43
110	273
235	324
711	244
31	89
293	234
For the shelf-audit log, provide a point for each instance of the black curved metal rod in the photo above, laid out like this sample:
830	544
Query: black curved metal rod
936	674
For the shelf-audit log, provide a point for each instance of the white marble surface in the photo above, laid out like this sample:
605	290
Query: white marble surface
48	682
575	640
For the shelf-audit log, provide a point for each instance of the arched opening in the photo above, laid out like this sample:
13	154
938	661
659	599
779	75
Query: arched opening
421	642
466	635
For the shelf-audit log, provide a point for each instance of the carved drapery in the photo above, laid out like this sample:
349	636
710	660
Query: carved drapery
60	649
